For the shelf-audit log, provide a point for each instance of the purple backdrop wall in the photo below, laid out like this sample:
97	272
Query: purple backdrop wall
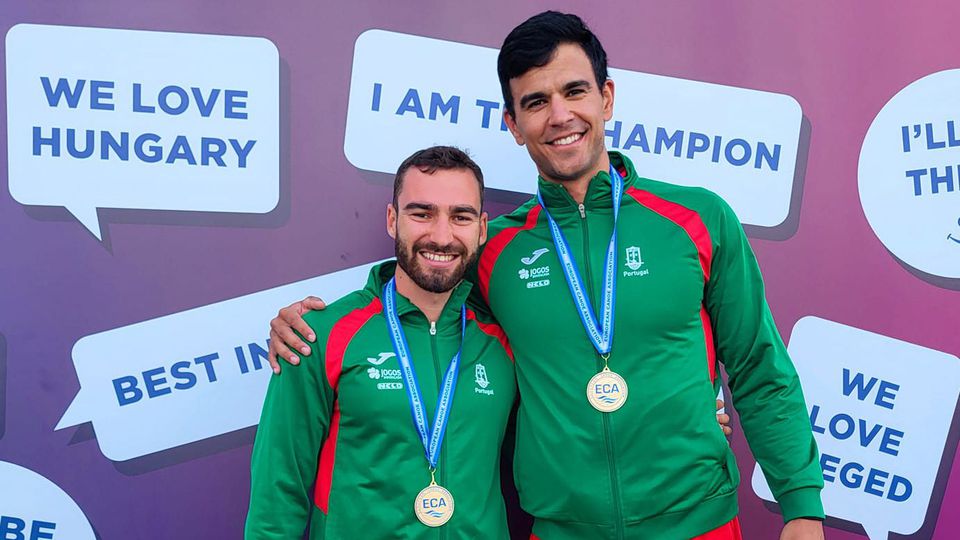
842	62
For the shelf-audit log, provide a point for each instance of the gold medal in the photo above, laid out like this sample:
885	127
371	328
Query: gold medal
434	505
607	391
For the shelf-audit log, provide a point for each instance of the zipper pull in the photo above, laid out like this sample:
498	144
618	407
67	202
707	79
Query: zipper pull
583	210
433	328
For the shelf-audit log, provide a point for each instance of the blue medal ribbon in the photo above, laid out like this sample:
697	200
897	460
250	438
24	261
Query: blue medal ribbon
600	334
433	439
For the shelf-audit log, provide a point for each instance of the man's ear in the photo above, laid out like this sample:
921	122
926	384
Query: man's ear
392	221
512	126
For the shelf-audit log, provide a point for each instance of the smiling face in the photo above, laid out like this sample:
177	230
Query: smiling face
437	226
559	114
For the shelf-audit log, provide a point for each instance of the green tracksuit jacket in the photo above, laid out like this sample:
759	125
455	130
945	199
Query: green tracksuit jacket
689	296
337	443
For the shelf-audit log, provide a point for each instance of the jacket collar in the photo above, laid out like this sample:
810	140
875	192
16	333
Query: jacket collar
381	273
598	191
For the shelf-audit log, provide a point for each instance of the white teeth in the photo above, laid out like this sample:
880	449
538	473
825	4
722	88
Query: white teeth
436	256
570	139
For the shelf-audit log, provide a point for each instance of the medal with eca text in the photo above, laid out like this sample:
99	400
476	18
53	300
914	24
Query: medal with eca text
606	391
434	505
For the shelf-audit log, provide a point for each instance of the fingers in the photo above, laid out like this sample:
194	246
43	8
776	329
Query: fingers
312	303
290	319
727	430
719	404
272	355
279	347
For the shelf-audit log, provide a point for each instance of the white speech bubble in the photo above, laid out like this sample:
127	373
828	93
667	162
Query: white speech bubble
128	427
31	506
231	85
923	402
399	107
914	137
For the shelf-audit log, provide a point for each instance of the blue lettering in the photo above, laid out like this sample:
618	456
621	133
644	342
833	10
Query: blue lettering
377	87
638	137
698	143
814	413
99	91
916	174
37	534
434	503
232	103
153	381
181	370
932	144
488	108
207	153
63	90
936	179
849	385
72	144
614	134
952	140
242	151
257	353
137	106
675	140
205	107
120	148
163	100
874	481
53	141
126	390
181	150
764	154
155	153
866	437
905	137
887	391
848	429
207	362
897	482
12	526
829	465
437	104
411	103
851	475
890	442
735	143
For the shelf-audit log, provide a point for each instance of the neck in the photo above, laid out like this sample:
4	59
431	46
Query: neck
577	188
430	303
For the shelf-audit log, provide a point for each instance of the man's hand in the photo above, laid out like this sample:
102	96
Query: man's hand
282	338
722	418
802	529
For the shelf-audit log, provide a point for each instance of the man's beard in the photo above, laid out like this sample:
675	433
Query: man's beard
430	280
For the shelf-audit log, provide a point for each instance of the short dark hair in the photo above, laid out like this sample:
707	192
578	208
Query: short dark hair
430	160
533	43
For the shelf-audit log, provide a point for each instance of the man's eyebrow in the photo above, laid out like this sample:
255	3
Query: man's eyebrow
582	83
531	97
420	206
464	209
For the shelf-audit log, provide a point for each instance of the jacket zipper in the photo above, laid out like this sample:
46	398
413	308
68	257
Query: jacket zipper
441	531
611	460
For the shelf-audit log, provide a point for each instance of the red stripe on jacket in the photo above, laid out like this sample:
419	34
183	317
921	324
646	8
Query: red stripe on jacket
340	335
495	247
492	330
688	220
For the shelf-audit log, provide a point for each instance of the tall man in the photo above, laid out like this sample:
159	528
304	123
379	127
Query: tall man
607	283
392	349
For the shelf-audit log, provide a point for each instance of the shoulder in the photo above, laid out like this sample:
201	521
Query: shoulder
686	202
347	314
519	218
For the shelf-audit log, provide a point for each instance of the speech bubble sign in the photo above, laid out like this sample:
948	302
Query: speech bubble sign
104	118
909	177
881	411
188	376
31	506
740	143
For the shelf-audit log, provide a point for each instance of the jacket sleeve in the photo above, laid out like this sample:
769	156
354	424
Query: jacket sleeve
765	386
293	424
